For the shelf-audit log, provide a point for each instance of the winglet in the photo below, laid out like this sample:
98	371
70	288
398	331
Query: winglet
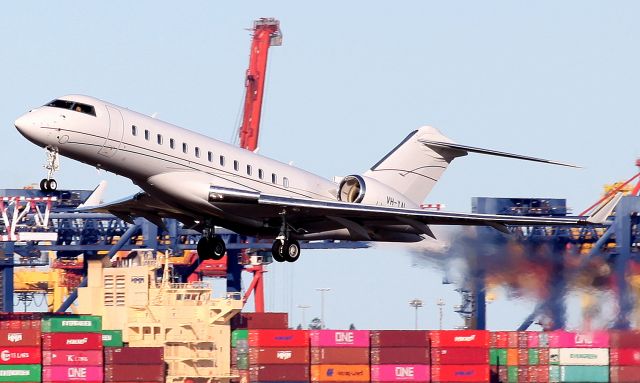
604	211
95	198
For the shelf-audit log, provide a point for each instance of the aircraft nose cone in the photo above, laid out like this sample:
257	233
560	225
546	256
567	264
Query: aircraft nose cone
23	123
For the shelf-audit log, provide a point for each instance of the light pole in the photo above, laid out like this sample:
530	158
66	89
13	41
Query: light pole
441	306
416	303
303	308
322	291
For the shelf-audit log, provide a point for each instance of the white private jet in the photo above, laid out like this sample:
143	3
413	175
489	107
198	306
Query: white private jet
204	182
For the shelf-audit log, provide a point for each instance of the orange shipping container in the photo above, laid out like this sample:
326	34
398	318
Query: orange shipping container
340	373
512	357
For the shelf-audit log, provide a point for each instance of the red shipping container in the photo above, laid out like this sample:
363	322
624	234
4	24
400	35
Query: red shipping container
134	355
400	355
523	374
459	338
399	338
512	339
624	339
20	355
459	355
502	339
134	372
543	356
523	357
15	338
278	373
503	373
533	339
624	357
278	338
340	355
71	341
493	339
253	321
279	355
72	358
624	374
20	324
523	339
72	374
458	373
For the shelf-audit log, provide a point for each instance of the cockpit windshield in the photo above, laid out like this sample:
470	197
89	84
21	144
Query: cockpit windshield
71	105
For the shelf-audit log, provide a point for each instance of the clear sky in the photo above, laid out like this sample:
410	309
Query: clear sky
552	79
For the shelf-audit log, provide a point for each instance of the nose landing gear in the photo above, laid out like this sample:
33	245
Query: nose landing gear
52	164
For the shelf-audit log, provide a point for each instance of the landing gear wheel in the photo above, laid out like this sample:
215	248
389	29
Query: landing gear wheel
291	250
276	251
43	184
52	185
211	248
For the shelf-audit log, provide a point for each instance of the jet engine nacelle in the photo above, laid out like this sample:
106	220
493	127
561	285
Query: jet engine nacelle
365	190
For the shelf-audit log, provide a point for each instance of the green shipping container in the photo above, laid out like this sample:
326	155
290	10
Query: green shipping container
243	362
72	323
20	373
237	335
501	357
578	374
493	356
112	338
534	357
512	374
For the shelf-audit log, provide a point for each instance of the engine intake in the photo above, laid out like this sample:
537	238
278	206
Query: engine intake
352	189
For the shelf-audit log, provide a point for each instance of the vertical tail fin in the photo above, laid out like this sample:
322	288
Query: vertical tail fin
413	168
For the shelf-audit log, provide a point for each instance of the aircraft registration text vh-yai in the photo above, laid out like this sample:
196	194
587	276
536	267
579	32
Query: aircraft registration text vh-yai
206	183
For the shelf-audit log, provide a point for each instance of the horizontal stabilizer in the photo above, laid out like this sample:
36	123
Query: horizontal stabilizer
470	149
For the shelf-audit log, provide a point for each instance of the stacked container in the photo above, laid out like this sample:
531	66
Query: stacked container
278	356
624	356
400	355
538	357
72	348
134	364
20	354
459	356
578	357
339	355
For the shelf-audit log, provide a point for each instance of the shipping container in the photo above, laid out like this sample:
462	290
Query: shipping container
340	373
20	373
460	355
75	358
279	373
134	372
458	373
543	356
278	338
512	339
534	357
339	338
252	321
400	373
501	339
624	339
625	374
512	374
279	355
20	355
579	374
523	339
242	345
533	339
459	338
237	335
579	356
72	374
399	338
112	338
400	355
565	339
242	361
72	323
624	356
20	324
71	341
19	338
134	355
512	357
340	355
498	356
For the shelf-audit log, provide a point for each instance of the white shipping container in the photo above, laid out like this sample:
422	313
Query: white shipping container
579	356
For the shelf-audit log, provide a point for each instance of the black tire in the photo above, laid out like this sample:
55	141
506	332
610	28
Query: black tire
291	250
52	185
218	248
203	249
276	251
43	185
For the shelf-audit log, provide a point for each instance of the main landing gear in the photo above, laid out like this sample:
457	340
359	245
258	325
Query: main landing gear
52	165
284	248
211	246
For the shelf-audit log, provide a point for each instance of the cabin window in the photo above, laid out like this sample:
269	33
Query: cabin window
285	182
172	143
197	151
274	178
236	165
249	170
146	134
210	156
159	138
185	147
134	130
222	161
260	173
